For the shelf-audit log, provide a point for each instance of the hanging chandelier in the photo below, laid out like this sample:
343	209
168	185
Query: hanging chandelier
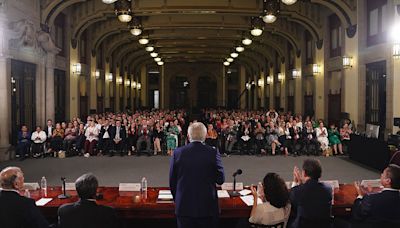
257	26
123	10
270	11
135	26
109	1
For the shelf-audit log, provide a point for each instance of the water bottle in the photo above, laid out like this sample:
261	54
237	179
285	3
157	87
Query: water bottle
27	194
43	186
144	184
260	191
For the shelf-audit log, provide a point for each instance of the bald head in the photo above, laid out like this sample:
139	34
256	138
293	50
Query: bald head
12	178
197	132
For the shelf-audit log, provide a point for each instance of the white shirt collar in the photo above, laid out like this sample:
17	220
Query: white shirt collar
390	189
9	190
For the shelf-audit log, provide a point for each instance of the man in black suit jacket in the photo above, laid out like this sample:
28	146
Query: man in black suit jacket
105	140
118	135
195	170
311	200
86	213
17	211
379	209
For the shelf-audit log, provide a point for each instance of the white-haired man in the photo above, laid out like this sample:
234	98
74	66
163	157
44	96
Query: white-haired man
17	211
195	170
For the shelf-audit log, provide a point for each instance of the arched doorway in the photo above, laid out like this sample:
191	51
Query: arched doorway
179	95
207	92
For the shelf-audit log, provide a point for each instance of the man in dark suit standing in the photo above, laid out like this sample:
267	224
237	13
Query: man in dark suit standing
86	213
195	170
118	135
311	200
379	209
17	211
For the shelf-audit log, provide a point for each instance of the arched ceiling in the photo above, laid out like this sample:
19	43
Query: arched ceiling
193	30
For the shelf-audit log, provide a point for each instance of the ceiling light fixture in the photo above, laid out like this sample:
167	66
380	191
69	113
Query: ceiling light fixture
135	26
154	54
289	2
257	26
160	63
226	63
123	10
229	60
158	59
109	1
143	41
149	48
234	55
247	41
239	49
270	11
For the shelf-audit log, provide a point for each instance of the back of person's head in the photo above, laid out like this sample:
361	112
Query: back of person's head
86	186
197	132
312	168
275	190
393	173
11	178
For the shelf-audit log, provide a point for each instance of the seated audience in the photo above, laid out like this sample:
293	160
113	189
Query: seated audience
158	138
38	138
48	129
311	200
17	211
56	142
118	136
273	137
246	137
231	137
24	143
310	142
86	213
80	138
92	136
334	139
322	136
276	206
379	209
70	135
105	141
172	137
144	136
345	133
259	135
211	137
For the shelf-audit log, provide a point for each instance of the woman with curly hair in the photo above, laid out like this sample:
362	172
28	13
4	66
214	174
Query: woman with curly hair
275	208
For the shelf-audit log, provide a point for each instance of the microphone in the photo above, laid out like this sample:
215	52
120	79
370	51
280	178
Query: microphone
64	194
238	172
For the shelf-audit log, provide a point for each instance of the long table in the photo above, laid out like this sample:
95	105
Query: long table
135	205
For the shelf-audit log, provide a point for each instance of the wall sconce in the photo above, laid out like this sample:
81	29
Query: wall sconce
396	51
316	69
347	62
134	84
97	74
139	86
269	80
248	85
296	73
128	83
77	68
110	77
281	76
119	80
260	82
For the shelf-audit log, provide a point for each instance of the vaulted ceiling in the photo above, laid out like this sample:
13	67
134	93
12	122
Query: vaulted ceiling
197	31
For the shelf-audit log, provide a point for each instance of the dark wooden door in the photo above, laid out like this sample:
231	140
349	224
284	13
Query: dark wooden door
334	108
233	95
23	98
206	92
59	95
291	104
100	104
309	105
83	107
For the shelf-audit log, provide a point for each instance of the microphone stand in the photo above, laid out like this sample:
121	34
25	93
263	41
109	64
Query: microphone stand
234	193
64	195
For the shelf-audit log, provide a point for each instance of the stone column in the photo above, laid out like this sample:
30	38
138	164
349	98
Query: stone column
272	89
93	86
262	90
255	93
117	89
319	94
143	91
107	84
73	85
5	116
50	95
283	86
242	87
298	89
162	87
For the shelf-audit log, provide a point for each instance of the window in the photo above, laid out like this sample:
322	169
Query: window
59	32
309	48
335	29
376	14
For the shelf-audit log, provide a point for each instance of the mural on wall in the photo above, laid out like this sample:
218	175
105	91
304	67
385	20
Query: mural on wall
26	36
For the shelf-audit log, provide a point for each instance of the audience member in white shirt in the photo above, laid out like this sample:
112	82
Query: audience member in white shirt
275	208
92	136
38	138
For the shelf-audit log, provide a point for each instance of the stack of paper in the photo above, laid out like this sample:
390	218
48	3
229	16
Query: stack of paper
43	201
223	194
165	196
249	200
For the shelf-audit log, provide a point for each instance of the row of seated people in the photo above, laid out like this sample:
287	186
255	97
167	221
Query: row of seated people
148	132
259	132
308	204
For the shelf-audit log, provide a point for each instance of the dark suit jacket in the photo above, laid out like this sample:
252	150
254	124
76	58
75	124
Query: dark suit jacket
19	212
46	130
122	132
195	170
378	207
86	214
103	131
311	200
